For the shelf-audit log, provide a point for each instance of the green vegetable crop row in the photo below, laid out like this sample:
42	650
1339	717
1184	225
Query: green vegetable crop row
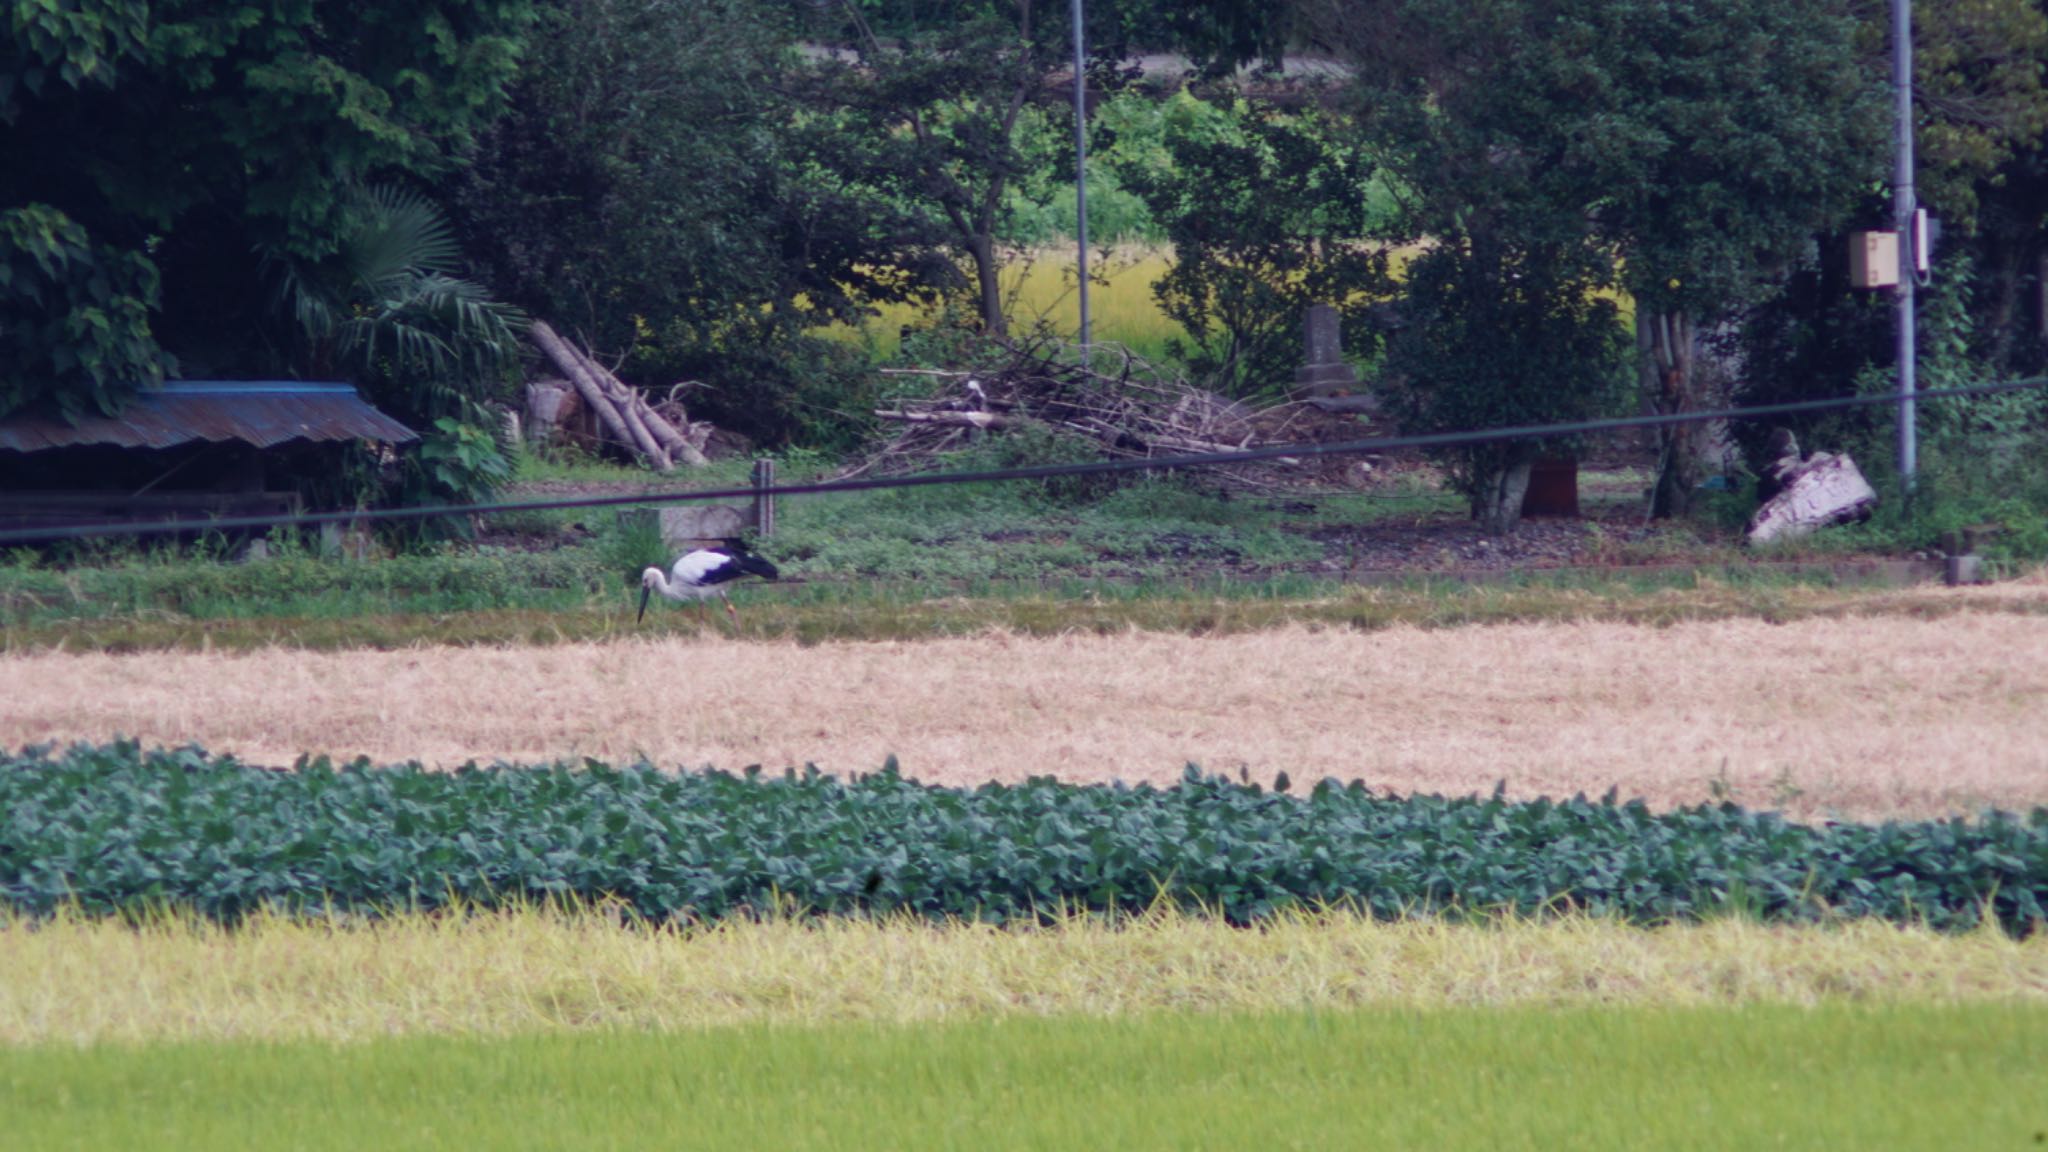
115	828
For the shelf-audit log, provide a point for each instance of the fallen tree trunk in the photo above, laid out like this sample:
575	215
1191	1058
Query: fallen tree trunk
679	445
673	442
649	446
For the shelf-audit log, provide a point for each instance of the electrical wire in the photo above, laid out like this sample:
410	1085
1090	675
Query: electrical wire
1003	475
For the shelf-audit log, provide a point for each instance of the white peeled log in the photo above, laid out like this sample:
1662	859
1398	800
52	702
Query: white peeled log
1824	489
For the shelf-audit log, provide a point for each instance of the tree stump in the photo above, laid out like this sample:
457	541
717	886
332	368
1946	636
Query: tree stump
1809	495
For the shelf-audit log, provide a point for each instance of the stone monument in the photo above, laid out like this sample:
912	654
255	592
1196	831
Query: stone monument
1324	372
1325	379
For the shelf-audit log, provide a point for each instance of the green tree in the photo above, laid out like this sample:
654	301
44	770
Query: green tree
1499	334
1980	113
932	119
74	315
1980	82
172	139
1268	213
1704	142
931	99
658	188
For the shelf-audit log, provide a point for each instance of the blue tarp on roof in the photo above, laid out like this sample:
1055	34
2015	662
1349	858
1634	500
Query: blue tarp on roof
259	412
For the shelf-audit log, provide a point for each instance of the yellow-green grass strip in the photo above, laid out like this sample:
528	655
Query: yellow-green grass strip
76	980
1756	1076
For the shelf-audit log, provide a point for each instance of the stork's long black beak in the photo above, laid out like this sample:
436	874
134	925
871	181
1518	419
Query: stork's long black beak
645	592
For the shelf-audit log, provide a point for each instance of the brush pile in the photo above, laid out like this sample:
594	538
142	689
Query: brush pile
1115	406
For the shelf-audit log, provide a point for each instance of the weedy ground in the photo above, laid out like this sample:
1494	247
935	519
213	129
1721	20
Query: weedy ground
1896	1077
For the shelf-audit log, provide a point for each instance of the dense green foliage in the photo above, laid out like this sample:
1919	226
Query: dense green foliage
120	829
72	310
695	188
173	143
659	190
1692	148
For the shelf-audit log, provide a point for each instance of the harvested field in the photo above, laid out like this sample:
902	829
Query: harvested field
1852	717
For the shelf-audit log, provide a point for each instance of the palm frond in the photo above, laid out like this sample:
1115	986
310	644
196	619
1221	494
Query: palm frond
402	234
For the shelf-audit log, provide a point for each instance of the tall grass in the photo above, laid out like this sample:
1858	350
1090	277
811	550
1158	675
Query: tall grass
78	979
1894	1078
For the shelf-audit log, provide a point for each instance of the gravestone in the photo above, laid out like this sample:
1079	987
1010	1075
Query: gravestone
1324	372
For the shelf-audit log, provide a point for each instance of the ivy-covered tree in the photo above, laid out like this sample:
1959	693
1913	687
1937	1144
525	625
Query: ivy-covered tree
172	139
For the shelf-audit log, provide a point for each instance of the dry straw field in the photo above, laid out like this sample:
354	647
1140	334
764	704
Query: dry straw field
1853	717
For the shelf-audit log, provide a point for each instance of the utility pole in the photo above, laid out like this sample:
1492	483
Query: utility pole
1081	171
1903	217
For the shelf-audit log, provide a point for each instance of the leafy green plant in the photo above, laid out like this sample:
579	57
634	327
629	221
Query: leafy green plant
117	830
388	308
74	316
632	544
1505	333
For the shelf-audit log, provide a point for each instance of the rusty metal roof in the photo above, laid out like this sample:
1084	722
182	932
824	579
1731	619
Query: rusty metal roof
260	412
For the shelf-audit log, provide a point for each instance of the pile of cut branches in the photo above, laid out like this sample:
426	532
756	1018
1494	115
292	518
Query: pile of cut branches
1115	404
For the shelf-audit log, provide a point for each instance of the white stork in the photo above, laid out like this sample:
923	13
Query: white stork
703	574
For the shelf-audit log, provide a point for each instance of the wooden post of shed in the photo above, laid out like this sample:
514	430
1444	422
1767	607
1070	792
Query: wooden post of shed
764	498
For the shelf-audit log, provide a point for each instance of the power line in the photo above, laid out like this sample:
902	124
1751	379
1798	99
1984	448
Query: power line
1002	475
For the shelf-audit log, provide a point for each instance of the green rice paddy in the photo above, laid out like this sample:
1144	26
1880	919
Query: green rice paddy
1747	1078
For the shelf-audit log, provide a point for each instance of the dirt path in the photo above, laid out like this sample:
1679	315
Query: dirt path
1856	717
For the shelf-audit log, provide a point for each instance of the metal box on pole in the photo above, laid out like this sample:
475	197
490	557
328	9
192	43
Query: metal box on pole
1873	259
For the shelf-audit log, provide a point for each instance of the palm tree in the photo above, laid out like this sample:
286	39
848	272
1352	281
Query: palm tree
388	308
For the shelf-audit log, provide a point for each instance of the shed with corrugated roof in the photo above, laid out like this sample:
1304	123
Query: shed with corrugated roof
187	449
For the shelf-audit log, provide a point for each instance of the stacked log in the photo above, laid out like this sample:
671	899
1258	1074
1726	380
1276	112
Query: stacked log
623	411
